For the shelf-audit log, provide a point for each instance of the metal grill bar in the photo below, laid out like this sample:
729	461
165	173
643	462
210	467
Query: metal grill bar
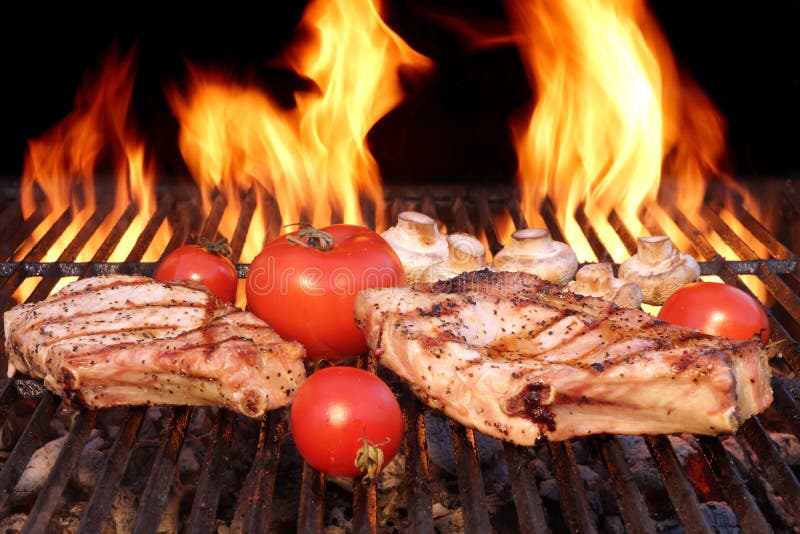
8	227
7	396
530	512
116	234
15	234
750	517
210	228
634	510
243	224
578	515
418	478
96	514
678	486
364	506
209	487
85	233
65	268
183	217
41	248
254	507
50	496
622	231
31	439
774	466
149	231
310	516
364	491
470	480
487	223
787	405
162	472
591	235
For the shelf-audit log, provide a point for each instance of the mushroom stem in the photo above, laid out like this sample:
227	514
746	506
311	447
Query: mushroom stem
465	252
654	249
533	240
420	224
596	276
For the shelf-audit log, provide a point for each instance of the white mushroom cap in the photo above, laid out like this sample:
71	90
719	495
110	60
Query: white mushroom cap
418	243
597	280
533	251
659	269
465	254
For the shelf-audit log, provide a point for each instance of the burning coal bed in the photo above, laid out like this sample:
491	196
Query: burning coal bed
392	484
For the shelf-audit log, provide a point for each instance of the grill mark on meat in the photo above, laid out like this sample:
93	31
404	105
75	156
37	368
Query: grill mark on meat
608	343
209	344
116	283
147	332
66	318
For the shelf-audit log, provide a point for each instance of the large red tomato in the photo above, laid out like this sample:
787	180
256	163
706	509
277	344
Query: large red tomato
717	309
206	263
305	283
346	421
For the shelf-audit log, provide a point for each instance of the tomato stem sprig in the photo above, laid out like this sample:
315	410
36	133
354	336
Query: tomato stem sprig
369	458
314	238
221	247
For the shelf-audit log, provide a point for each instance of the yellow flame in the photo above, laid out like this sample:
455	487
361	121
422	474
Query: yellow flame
608	115
313	158
63	162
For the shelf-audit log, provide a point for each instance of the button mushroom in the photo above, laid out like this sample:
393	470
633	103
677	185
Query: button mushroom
597	280
659	269
533	251
418	243
466	253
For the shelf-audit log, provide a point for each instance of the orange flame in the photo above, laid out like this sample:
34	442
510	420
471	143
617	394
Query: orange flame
610	117
63	164
313	159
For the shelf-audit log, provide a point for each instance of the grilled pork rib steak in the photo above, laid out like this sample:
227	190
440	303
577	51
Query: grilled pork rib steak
517	357
129	340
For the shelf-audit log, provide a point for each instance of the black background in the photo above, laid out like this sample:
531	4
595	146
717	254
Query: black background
454	125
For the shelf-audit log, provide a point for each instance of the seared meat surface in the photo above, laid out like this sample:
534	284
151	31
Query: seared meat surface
517	357
129	340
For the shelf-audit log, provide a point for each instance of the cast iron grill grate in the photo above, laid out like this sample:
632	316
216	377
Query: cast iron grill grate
252	497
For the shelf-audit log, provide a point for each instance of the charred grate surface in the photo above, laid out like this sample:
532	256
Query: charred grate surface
246	475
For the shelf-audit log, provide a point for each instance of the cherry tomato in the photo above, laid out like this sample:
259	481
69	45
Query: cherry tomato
335	410
201	263
716	309
308	294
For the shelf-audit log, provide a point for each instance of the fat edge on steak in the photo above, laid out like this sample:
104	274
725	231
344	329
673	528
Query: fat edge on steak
130	340
517	357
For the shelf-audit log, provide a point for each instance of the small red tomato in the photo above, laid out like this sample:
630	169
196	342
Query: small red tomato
206	263
305	284
344	416
717	309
